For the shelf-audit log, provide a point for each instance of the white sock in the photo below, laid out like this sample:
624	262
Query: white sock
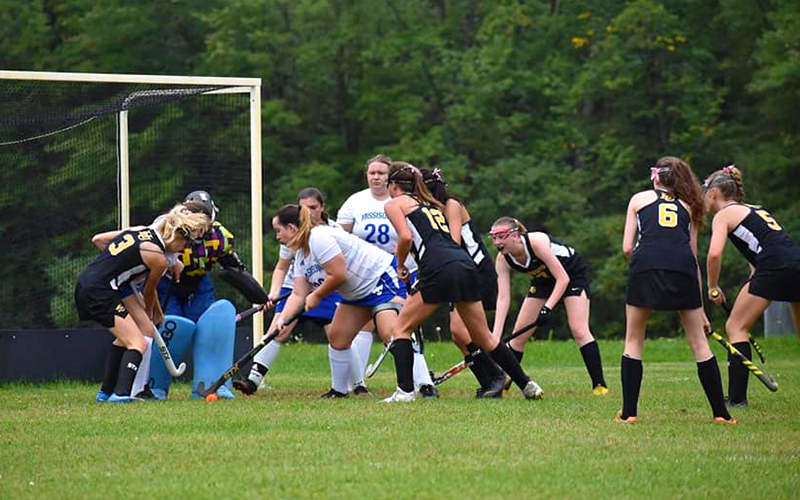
144	369
356	375
340	369
363	344
268	354
421	374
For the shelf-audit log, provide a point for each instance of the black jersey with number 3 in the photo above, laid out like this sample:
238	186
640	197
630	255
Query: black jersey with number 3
763	242
432	245
121	262
664	237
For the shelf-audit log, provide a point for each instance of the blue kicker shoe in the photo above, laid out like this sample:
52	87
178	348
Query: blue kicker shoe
123	399
225	393
101	397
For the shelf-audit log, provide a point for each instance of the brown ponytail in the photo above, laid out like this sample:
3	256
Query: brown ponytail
678	178
729	182
409	178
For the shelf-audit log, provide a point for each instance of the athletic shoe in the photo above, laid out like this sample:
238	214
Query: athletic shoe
724	421
123	399
428	391
333	394
100	397
494	390
735	404
507	383
146	394
532	391
159	394
401	396
361	390
600	390
246	386
629	420
225	393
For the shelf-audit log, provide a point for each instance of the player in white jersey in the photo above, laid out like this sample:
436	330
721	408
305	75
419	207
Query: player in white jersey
282	283
363	215
329	259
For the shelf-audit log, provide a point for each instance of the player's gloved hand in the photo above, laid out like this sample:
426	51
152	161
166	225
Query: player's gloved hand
544	317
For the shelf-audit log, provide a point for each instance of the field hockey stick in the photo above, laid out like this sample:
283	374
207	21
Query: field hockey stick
159	340
715	294
249	312
237	366
767	380
469	359
373	367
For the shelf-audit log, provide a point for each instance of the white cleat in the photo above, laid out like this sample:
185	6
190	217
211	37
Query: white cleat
532	391
401	396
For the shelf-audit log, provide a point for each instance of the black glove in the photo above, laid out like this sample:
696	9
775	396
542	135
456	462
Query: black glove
544	317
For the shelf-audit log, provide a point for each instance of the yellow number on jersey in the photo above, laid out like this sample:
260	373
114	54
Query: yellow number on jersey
668	215
116	248
770	220
436	218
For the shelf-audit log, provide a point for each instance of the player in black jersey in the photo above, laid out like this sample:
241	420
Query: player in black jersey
128	256
447	273
462	231
661	242
774	262
556	271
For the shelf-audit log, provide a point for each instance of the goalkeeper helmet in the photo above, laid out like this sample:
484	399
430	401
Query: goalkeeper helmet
204	198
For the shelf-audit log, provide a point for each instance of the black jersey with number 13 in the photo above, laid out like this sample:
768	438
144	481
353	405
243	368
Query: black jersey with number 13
432	245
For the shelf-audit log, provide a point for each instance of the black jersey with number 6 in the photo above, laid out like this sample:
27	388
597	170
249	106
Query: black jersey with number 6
432	245
664	237
763	242
121	262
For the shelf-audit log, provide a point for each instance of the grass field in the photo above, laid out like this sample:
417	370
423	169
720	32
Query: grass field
55	442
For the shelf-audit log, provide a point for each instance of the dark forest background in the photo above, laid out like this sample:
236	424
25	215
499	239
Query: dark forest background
549	111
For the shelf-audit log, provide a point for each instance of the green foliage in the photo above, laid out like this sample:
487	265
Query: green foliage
548	111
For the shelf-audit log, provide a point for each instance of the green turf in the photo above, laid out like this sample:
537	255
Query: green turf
55	442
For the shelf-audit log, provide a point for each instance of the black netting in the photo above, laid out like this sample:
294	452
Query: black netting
59	174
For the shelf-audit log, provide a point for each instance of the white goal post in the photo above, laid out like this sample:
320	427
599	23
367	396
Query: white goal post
251	86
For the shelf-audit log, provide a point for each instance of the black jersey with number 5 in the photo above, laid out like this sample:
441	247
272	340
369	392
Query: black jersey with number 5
432	245
664	237
763	242
121	262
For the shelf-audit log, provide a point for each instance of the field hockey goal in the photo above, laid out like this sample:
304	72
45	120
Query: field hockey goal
84	153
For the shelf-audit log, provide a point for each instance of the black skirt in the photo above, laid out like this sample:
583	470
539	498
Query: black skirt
99	304
776	284
457	281
663	290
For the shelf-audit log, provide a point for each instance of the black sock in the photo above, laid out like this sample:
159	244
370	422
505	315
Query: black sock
111	370
478	365
708	372
503	356
631	371
127	372
594	364
517	354
738	374
403	354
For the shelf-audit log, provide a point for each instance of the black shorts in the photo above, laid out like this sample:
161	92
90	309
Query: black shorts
663	290
777	284
456	281
99	304
542	288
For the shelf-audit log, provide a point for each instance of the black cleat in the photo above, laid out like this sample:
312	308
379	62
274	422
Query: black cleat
735	404
333	394
246	386
146	394
428	391
361	390
495	389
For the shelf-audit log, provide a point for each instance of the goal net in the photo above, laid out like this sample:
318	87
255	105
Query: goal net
82	153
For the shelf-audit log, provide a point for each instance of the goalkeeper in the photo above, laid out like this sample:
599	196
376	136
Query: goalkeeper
193	316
